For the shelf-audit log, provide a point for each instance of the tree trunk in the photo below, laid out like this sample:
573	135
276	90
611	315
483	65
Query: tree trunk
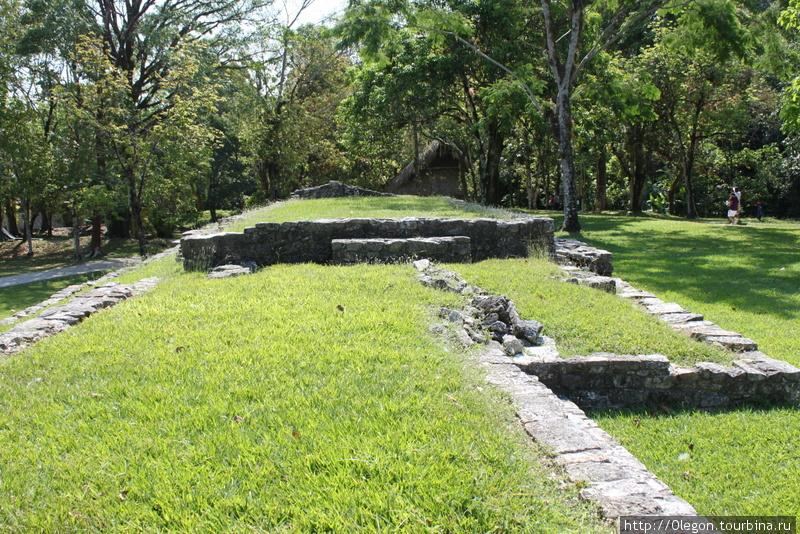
567	159
11	215
76	236
95	247
600	199
491	191
26	221
135	200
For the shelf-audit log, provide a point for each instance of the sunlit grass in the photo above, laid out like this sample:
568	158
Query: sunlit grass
738	462
359	207
254	404
743	278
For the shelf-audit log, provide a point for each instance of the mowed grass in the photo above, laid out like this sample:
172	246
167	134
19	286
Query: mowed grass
741	462
300	399
743	278
395	207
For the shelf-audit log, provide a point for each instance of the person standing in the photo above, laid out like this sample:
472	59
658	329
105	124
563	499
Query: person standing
733	208
739	203
759	211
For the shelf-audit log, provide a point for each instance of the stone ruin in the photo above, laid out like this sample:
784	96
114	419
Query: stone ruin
346	241
334	189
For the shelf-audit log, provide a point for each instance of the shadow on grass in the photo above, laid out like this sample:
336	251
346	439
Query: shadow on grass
742	267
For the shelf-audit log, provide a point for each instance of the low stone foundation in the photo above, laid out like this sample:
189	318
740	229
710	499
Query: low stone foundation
312	241
334	189
608	380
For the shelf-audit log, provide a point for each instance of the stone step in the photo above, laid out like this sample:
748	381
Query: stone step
455	249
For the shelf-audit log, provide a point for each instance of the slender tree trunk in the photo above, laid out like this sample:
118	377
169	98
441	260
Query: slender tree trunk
567	159
96	245
490	165
416	158
76	236
135	200
26	220
600	200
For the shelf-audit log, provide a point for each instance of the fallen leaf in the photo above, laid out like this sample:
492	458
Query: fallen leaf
687	475
296	434
179	349
123	495
340	308
238	419
636	422
96	395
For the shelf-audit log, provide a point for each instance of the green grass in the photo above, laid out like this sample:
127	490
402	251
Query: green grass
742	462
359	207
743	278
254	405
52	253
17	298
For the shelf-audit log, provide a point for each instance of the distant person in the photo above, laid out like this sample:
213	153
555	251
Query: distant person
739	202
759	211
733	208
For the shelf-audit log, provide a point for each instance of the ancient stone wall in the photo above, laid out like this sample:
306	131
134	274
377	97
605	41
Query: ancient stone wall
334	189
311	241
609	380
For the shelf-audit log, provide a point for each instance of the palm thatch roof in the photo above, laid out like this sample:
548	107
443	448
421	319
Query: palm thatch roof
426	157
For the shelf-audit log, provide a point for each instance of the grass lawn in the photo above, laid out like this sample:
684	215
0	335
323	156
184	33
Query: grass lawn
742	462
744	278
254	405
358	207
584	320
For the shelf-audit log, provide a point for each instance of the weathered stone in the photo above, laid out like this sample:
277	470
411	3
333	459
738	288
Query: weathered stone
680	318
512	345
334	189
311	241
733	343
665	308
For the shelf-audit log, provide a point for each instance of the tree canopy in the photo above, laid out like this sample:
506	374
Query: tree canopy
136	115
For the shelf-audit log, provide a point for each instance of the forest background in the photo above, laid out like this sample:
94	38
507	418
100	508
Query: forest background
138	115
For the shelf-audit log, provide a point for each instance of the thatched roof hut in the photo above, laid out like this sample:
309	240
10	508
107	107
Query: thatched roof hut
439	174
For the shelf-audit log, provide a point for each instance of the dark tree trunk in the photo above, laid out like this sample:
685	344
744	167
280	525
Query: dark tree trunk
490	152
11	215
600	200
96	244
26	219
